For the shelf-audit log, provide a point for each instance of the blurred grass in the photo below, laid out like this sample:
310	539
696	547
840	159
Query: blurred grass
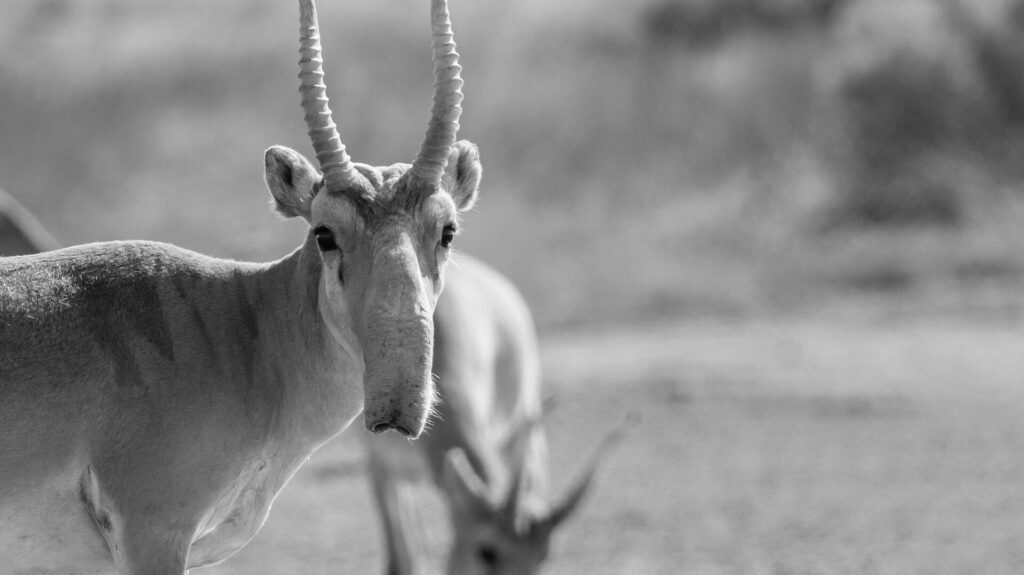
626	177
774	447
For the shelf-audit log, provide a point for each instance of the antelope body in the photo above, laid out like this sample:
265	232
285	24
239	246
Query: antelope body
153	400
486	450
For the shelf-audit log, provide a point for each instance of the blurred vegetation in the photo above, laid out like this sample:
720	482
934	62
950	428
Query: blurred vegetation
642	160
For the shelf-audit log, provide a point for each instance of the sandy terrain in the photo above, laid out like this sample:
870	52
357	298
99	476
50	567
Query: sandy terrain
765	447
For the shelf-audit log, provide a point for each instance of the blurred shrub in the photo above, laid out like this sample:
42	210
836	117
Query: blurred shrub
643	160
702	24
926	95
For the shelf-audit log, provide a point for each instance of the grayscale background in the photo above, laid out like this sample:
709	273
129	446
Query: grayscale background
788	234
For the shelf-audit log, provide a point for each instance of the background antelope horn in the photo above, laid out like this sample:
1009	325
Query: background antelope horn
517	452
330	152
444	116
462	483
565	506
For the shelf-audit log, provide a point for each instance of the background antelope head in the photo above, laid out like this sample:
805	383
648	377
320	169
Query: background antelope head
503	523
383	234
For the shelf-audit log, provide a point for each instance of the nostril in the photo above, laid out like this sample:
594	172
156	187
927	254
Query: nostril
382	427
404	431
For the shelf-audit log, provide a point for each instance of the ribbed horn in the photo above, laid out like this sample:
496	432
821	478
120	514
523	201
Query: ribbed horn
444	116
330	152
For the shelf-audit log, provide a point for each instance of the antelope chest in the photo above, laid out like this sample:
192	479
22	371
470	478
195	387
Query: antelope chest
45	530
240	511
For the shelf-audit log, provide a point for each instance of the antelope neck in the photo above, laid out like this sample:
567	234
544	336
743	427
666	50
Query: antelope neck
298	356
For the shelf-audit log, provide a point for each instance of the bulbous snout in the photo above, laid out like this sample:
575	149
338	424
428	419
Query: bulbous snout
399	391
398	339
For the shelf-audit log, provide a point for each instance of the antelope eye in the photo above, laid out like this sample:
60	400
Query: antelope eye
325	239
488	555
448	235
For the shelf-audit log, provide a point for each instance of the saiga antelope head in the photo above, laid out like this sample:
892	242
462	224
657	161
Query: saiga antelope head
383	233
507	530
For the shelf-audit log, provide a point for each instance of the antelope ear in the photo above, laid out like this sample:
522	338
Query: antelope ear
292	181
462	484
462	174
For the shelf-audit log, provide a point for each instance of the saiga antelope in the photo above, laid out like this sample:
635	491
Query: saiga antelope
486	450
153	401
20	232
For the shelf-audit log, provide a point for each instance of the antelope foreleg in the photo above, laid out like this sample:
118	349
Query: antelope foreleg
404	557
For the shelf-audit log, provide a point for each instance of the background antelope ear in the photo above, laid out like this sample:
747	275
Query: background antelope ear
462	174
292	181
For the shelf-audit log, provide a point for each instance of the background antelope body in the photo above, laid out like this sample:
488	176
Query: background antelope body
487	450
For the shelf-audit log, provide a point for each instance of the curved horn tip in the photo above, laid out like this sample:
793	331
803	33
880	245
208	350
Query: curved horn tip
630	421
579	488
444	121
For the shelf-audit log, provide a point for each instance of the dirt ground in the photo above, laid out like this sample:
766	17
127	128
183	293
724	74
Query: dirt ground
783	447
